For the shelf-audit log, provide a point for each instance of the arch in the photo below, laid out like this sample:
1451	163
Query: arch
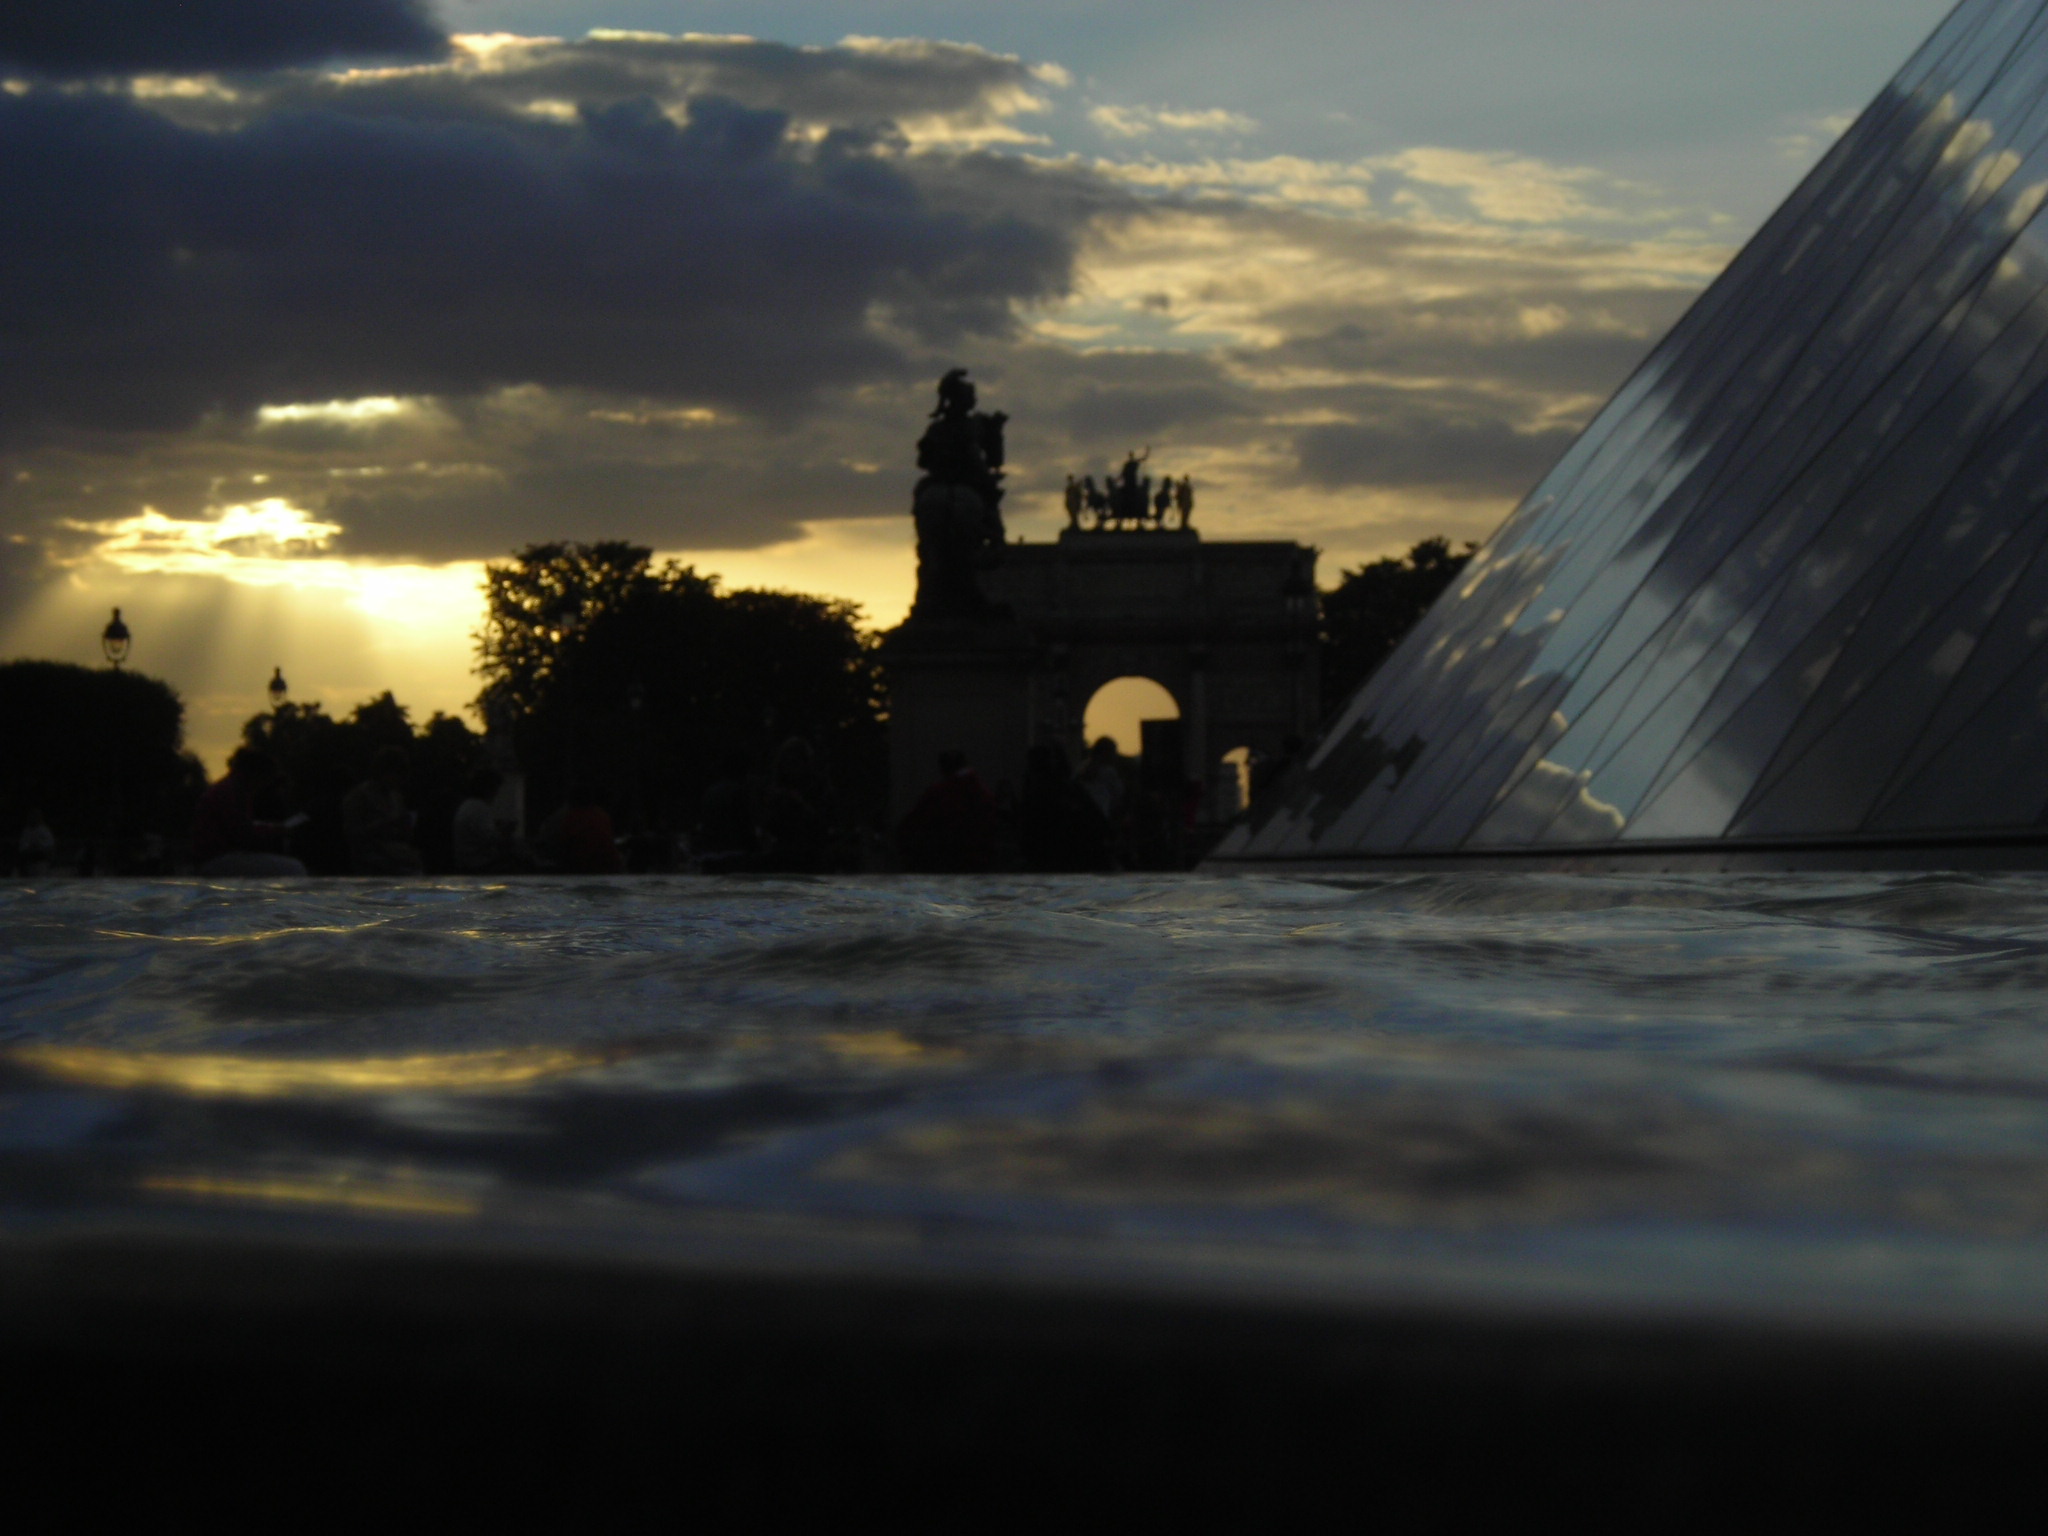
1210	624
1118	708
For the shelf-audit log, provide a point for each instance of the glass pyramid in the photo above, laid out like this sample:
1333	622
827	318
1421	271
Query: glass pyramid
1790	588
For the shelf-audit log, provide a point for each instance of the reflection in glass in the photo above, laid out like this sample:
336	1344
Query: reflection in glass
1791	582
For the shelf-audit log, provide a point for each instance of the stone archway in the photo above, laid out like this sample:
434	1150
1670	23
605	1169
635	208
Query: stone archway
1228	629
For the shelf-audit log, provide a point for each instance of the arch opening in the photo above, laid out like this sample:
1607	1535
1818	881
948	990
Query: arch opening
1119	709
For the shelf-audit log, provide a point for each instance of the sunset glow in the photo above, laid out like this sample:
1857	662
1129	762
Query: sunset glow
1356	317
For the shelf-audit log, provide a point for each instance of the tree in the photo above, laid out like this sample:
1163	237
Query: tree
1371	610
100	753
645	681
543	603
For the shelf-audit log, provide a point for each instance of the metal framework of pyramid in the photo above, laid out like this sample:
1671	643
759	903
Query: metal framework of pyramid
1790	588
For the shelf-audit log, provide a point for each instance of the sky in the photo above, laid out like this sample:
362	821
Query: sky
307	311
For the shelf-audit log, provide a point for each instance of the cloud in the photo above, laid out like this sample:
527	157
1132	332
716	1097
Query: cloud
1406	373
1422	185
1107	402
1809	138
693	291
82	38
1419	444
1143	122
1342	187
922	92
354	415
151	272
1503	188
1538	331
254	536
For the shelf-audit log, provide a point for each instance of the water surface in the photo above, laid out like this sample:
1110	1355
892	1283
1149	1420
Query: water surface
1817	1096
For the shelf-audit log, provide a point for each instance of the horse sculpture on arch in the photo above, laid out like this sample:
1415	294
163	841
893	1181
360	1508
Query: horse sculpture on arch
1128	502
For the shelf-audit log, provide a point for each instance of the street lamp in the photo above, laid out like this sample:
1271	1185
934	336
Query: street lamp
278	688
114	641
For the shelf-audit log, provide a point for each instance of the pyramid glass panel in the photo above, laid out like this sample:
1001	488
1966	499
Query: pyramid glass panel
1791	585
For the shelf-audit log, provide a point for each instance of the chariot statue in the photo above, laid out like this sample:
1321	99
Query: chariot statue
1128	501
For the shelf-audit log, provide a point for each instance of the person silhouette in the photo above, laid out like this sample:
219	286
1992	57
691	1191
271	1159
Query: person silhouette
36	846
477	843
727	838
1061	829
582	837
1130	490
952	829
378	824
1102	777
228	841
796	820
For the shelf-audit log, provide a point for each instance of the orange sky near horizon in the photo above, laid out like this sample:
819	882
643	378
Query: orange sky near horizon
214	622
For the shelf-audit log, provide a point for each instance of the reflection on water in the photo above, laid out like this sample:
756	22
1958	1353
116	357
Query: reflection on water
1758	1092
336	1192
199	1072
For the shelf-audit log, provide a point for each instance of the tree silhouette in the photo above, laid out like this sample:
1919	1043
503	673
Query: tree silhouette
100	753
1371	610
642	681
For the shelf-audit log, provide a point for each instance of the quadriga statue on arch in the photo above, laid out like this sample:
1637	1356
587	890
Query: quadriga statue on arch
959	501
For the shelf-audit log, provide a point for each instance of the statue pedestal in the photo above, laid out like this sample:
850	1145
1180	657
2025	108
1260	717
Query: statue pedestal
960	686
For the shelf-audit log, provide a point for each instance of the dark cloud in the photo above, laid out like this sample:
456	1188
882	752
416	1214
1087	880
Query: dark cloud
1109	402
848	86
463	480
1412	448
708	501
1594	342
885	91
151	272
83	38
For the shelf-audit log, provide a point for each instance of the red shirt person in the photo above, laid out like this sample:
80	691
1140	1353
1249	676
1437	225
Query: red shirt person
581	838
952	830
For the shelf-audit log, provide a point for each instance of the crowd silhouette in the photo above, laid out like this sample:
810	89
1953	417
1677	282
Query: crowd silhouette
1110	812
261	819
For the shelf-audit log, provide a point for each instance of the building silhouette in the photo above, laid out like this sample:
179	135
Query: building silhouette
1007	643
1227	627
1785	602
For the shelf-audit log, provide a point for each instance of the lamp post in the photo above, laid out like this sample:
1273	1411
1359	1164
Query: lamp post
114	644
278	689
114	641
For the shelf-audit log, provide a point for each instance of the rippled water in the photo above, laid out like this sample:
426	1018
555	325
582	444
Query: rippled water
1780	1094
